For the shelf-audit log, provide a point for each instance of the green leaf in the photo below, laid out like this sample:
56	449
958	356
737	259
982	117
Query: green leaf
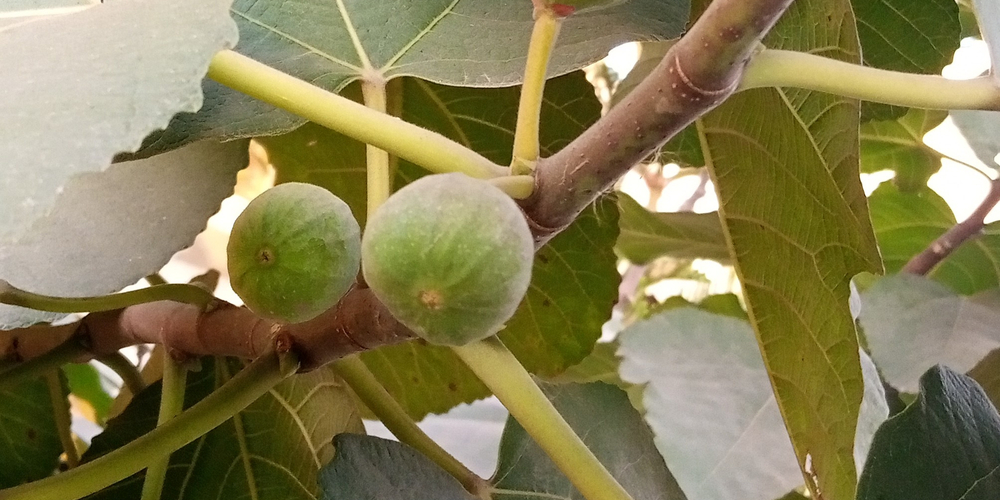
272	450
898	145
371	468
913	323
81	87
939	447
987	374
909	36
979	129
107	230
647	235
797	221
29	441
602	416
908	223
711	406
85	383
475	43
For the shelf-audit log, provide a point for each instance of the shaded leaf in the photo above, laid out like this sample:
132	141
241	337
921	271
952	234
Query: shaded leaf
980	130
898	145
798	225
272	450
107	230
478	43
987	374
29	441
711	406
371	468
102	79
939	447
602	416
906	36
647	235
913	323
85	383
908	223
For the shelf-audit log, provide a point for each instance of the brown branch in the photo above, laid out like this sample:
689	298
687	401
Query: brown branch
923	262
697	74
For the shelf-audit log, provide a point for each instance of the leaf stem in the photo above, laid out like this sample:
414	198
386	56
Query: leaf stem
60	412
126	370
943	246
67	352
518	187
388	410
423	147
176	292
495	365
171	405
784	68
232	397
543	39
377	166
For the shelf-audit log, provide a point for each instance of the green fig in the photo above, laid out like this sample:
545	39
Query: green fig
294	252
450	257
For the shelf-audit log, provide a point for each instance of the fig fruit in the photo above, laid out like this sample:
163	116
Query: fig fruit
450	257
294	252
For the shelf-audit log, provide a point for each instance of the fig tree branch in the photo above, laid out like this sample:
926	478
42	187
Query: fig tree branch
923	262
697	74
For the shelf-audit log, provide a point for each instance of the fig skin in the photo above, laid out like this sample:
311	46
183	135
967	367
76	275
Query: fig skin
450	257
294	252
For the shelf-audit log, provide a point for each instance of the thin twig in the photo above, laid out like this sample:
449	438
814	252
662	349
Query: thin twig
942	247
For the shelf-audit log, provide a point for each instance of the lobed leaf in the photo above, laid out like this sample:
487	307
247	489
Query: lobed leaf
474	43
796	218
912	323
272	450
898	145
710	404
80	88
107	230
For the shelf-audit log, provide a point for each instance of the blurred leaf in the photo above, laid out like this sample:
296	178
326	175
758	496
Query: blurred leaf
711	406
987	374
908	223
79	88
29	441
797	222
85	383
898	145
272	450
601	366
647	235
574	281
988	13
602	416
980	130
945	446
913	323
908	36
371	468
475	43
108	230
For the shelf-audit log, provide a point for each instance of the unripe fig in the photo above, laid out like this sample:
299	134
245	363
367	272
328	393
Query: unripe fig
294	252
450	257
